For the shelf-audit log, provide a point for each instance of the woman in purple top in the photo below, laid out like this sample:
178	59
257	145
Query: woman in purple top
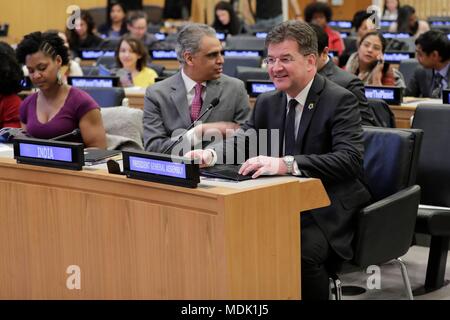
56	109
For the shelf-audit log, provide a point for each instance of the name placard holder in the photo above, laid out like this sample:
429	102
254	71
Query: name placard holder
161	168
256	87
49	153
391	95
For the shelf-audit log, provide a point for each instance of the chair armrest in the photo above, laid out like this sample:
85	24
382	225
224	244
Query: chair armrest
385	228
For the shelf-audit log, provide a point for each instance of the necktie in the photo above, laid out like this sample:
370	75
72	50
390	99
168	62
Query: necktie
437	86
196	102
289	132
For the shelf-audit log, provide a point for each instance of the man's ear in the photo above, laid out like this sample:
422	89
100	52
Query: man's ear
188	58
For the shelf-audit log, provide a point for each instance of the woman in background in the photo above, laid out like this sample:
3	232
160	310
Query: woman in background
390	10
56	109
368	63
116	25
83	36
132	57
407	22
10	85
226	19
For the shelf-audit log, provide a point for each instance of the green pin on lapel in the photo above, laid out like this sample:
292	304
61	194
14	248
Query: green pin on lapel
311	106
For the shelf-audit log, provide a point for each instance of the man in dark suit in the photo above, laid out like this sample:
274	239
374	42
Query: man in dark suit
170	106
320	136
433	53
327	68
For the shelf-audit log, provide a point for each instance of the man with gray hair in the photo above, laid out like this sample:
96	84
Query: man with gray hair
320	137
175	103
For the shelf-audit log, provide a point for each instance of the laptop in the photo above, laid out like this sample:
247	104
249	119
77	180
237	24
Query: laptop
95	156
225	171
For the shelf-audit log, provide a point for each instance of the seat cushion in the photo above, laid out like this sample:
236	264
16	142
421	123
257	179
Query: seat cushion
435	222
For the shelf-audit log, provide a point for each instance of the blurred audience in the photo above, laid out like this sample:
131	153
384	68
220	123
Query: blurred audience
368	63
408	22
226	20
116	25
390	10
83	35
137	27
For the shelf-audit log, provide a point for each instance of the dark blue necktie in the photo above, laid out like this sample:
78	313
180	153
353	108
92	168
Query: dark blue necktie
289	131
437	86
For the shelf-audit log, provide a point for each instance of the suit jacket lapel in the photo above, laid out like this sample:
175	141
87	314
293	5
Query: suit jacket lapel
213	90
308	110
179	99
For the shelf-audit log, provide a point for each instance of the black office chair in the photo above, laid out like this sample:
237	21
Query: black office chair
433	176
247	73
385	228
154	14
106	97
108	62
231	63
383	115
407	68
245	42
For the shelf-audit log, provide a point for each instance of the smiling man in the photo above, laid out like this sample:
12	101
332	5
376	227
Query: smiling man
176	102
321	137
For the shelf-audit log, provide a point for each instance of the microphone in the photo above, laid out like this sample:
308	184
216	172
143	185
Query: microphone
66	135
213	103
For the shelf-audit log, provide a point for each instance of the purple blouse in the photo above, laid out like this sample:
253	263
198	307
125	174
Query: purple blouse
77	104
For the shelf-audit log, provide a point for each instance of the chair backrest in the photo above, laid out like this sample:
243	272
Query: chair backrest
107	62
124	128
231	63
90	70
98	15
159	68
383	115
110	44
434	165
154	14
407	68
246	73
245	42
390	159
106	97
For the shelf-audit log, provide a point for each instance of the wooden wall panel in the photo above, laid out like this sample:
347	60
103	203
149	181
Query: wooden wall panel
25	16
425	9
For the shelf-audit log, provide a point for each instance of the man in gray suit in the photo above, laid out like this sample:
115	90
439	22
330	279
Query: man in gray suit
433	53
176	102
327	68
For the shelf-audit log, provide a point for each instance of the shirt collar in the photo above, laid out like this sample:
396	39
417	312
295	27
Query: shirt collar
301	97
188	82
444	71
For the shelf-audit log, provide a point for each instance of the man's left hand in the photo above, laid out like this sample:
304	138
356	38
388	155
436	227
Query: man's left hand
262	165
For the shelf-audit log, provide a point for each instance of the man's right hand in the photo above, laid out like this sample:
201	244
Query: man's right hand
203	157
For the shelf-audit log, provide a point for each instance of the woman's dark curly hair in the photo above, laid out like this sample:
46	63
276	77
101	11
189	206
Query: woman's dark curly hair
10	70
48	43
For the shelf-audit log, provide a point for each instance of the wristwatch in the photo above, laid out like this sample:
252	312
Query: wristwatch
289	161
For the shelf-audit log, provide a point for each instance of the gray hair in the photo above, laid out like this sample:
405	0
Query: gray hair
299	31
189	38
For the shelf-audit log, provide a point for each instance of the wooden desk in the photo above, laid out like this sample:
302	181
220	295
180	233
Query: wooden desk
139	240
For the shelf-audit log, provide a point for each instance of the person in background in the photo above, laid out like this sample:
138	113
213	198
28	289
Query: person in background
327	68
368	63
320	13
172	105
56	109
433	53
10	85
226	19
132	58
268	13
137	27
83	35
408	22
361	24
177	9
116	25
390	10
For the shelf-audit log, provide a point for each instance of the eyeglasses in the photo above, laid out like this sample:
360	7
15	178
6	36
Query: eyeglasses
367	44
283	60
